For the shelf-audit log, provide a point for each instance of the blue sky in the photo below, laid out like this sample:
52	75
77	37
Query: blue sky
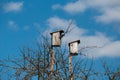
95	23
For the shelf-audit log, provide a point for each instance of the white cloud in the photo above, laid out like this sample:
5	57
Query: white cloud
109	9
110	15
15	27
109	50
108	47
75	7
12	25
56	23
13	6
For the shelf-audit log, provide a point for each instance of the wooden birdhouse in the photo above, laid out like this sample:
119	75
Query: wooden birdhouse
56	38
73	47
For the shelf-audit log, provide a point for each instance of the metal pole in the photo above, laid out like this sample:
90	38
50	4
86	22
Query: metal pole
51	63
70	67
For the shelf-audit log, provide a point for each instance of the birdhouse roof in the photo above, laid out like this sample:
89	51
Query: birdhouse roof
61	31
74	41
